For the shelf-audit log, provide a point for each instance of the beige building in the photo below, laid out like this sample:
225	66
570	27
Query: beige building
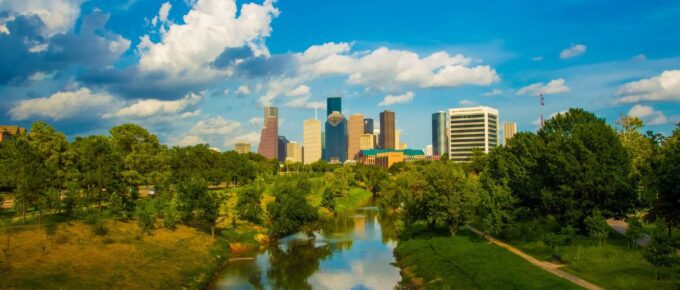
293	152
312	141
242	147
509	131
469	128
7	132
397	132
355	128
367	141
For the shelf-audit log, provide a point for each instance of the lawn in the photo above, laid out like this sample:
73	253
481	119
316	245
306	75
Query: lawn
469	262
613	265
76	258
357	197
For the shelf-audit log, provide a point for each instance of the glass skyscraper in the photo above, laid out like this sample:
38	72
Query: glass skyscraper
439	134
368	126
336	131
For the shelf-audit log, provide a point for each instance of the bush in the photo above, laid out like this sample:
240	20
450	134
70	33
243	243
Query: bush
99	228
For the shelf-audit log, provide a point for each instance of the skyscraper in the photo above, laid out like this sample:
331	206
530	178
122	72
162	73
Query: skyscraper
269	138
428	150
475	127
293	152
336	131
368	126
509	131
312	141
439	144
387	136
283	147
367	141
354	130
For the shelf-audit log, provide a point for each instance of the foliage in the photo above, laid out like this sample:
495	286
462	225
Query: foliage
634	232
248	204
291	212
146	215
667	206
659	252
597	226
171	214
197	205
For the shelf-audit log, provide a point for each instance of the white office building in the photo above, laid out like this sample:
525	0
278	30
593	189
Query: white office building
469	128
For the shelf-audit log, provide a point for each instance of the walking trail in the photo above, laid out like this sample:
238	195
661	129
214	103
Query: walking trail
550	267
622	227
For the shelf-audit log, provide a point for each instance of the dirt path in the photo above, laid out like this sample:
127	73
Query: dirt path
550	267
622	226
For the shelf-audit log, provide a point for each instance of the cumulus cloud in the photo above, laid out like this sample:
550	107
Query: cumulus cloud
252	138
58	16
665	87
648	115
189	140
557	86
256	121
537	58
153	107
466	103
573	51
63	105
215	126
398	99
243	90
210	27
494	92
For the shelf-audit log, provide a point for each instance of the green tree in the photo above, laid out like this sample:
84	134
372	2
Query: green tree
667	205
116	206
597	226
659	252
248	205
171	214
51	146
146	215
290	212
27	173
197	205
640	149
634	232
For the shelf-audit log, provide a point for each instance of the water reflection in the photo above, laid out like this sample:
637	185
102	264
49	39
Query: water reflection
352	252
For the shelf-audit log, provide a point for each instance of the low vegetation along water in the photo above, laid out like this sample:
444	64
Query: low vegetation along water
354	252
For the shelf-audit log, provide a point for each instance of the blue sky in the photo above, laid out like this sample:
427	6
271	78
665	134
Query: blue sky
199	71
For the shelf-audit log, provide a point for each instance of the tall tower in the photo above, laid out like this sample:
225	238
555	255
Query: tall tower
368	126
336	131
387	136
439	128
312	141
509	131
269	138
354	130
475	127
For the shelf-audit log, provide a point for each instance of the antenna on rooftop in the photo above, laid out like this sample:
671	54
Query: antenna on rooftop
542	104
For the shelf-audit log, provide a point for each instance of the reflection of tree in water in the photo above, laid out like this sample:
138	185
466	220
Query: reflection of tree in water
389	232
289	269
248	269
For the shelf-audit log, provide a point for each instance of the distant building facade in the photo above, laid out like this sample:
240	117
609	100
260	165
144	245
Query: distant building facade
474	127
385	158
269	146
509	131
242	147
336	132
439	134
293	152
387	128
8	132
312	141
368	126
428	150
367	141
355	128
283	147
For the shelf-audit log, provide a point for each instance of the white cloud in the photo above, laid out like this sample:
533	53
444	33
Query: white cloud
537	58
153	107
190	140
164	12
494	92
256	121
59	16
573	51
251	137
39	76
243	90
209	28
399	99
648	115
557	86
62	105
300	91
466	103
187	115
215	126
665	87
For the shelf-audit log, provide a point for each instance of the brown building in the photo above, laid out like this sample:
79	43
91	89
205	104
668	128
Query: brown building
7	132
387	136
269	138
354	131
385	158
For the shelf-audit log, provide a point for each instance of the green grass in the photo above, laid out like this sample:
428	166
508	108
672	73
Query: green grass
613	265
469	262
357	197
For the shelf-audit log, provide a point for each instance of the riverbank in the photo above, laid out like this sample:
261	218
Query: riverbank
76	258
467	261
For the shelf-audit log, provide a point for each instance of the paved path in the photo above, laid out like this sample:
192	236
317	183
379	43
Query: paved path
550	267
621	227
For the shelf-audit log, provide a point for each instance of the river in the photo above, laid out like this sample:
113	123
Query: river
353	252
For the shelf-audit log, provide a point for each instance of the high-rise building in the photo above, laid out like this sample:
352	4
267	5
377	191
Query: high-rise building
376	136
387	136
509	131
475	127
368	126
269	138
336	132
293	152
367	141
428	150
283	147
439	134
312	141
242	147
355	128
397	134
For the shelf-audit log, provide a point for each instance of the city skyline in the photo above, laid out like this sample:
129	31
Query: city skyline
86	66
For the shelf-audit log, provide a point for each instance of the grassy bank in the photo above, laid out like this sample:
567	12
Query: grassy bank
612	265
469	262
76	258
357	197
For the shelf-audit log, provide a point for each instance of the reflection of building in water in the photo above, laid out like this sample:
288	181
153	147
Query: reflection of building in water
360	224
